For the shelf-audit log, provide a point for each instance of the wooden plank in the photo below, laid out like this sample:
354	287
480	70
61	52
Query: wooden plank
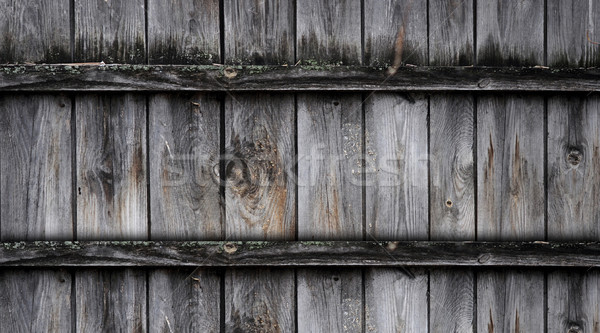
572	34
35	190
184	167
330	301
259	32
185	299
35	31
183	32
573	301
396	168
35	301
120	78
451	300
451	33
395	28
329	32
510	33
110	31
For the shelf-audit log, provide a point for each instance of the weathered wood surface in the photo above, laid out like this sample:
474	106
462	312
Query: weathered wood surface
183	32
574	301
451	36
119	78
451	300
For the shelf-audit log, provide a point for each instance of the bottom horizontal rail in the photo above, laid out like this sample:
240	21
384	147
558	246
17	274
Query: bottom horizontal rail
298	253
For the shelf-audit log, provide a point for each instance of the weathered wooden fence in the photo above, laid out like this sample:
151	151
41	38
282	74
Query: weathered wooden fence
283	166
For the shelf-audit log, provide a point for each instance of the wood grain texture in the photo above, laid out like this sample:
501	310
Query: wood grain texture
330	300
185	300
510	175
111	167
451	300
35	176
510	33
384	20
259	32
572	34
111	301
329	31
111	31
35	301
396	167
395	302
329	167
573	301
451	33
184	167
260	182
35	31
183	32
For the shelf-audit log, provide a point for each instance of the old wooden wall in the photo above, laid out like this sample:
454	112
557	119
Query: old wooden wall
300	166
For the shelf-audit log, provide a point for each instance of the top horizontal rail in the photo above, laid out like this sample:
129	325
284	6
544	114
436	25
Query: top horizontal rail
219	78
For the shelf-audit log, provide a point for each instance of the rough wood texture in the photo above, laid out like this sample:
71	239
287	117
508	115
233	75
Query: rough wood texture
451	33
329	31
35	176
451	300
35	301
184	167
510	33
185	300
384	21
259	32
183	32
396	167
34	31
572	34
573	301
111	167
110	31
260	182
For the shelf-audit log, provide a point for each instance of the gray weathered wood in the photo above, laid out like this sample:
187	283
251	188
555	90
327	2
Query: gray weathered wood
396	167
184	167
510	33
451	300
574	301
112	31
183	32
259	32
329	31
35	31
184	300
572	34
111	167
35	190
451	33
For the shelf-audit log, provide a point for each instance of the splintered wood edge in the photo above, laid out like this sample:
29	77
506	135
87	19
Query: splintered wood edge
298	253
148	78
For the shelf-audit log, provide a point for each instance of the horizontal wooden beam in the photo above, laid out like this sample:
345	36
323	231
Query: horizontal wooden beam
119	78
294	254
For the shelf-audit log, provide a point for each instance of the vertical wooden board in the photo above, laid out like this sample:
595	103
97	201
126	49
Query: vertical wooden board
329	31
260	186
451	33
111	300
259	32
330	136
35	31
396	167
112	31
574	301
184	167
510	172
391	25
510	301
572	34
573	168
184	300
395	302
330	300
510	33
259	300
111	167
35	186
183	32
35	301
451	300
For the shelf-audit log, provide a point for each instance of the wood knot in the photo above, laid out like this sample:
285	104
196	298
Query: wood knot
230	72
230	248
574	157
336	103
574	328
483	258
483	83
449	203
392	246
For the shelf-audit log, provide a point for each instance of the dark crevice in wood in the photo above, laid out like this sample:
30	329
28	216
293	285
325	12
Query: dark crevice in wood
222	30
